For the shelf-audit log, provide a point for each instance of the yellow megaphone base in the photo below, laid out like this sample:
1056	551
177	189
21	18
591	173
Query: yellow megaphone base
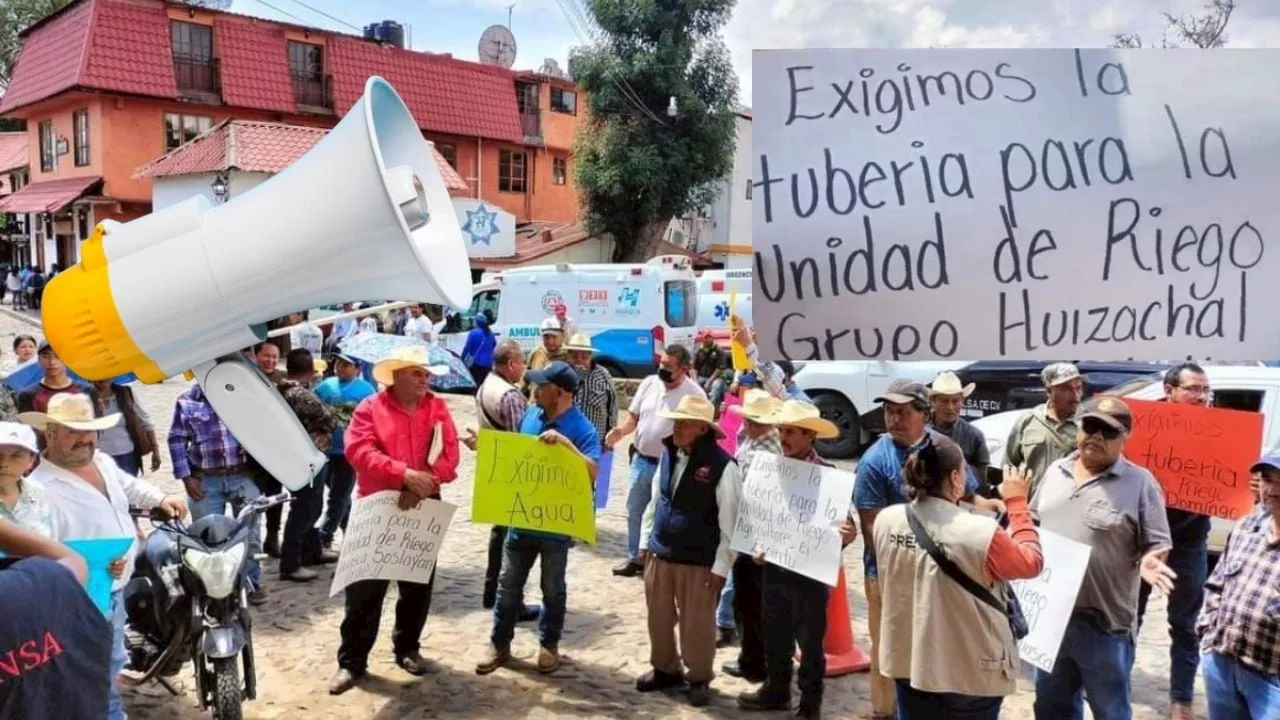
82	323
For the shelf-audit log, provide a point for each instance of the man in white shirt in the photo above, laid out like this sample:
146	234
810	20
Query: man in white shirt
662	391
419	325
91	496
305	334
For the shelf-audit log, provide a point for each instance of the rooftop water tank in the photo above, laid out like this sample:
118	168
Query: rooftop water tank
387	31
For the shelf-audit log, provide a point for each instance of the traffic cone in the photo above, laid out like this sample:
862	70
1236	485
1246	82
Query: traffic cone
843	656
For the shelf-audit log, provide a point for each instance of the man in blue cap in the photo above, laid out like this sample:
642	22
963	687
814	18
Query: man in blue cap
342	393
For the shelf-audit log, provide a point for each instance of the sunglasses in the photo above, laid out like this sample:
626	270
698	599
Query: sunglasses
1094	426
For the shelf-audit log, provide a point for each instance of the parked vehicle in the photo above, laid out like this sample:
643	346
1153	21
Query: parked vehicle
188	600
844	390
1004	385
1239	387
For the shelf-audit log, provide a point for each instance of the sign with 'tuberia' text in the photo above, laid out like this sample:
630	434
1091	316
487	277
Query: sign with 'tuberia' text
1018	204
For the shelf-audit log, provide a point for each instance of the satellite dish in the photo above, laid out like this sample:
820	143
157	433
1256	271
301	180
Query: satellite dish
498	46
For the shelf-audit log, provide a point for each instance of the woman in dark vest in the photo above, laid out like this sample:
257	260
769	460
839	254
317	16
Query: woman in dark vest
135	436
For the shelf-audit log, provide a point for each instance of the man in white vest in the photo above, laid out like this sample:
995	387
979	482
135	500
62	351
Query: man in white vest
499	406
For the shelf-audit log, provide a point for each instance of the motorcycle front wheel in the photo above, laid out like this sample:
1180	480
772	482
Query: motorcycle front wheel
228	695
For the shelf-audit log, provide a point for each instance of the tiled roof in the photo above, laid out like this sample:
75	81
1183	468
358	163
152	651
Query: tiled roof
531	246
48	196
445	95
50	60
255	65
13	150
254	147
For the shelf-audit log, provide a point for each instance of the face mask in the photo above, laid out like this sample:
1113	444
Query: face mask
664	375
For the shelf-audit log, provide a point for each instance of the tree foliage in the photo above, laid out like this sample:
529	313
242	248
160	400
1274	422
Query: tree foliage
636	166
1204	30
16	16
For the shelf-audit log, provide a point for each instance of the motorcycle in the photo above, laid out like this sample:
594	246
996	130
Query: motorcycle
188	600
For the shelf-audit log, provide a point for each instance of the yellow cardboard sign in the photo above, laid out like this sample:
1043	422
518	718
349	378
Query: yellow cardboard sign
524	483
736	350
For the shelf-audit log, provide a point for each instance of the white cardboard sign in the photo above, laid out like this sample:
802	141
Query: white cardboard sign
383	542
1048	600
792	511
1016	204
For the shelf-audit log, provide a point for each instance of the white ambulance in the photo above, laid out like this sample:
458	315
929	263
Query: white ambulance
630	311
715	289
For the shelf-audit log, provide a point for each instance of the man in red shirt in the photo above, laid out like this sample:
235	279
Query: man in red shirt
400	439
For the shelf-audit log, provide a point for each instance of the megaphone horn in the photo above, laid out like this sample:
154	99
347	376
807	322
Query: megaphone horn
364	215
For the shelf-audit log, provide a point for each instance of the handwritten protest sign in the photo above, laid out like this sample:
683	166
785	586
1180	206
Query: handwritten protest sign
1048	599
98	554
384	542
791	511
1019	204
730	423
522	482
604	472
1201	456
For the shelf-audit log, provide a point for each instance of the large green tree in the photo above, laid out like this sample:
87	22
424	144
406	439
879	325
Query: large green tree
636	165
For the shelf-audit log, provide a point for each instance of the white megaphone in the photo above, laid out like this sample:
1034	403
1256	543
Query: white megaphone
363	215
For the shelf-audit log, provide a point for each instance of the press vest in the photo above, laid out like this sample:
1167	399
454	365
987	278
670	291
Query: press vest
933	632
489	398
686	524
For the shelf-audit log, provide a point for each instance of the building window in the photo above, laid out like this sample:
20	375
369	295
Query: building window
449	152
193	60
513	175
306	65
564	101
182	129
48	155
559	170
80	124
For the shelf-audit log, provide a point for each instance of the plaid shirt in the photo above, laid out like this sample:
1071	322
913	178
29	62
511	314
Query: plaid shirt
598	399
198	439
770	442
1241	615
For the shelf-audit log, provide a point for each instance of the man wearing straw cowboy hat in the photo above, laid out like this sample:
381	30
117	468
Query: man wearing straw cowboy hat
796	605
596	397
741	596
684	546
947	396
90	496
400	439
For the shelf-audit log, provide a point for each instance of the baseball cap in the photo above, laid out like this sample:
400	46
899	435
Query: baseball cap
1110	410
550	325
558	373
1270	460
903	392
345	358
18	435
1058	373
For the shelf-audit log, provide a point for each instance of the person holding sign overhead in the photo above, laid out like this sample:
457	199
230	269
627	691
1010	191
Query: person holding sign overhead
795	605
949	655
1240	625
402	439
1097	497
685	548
554	420
1048	431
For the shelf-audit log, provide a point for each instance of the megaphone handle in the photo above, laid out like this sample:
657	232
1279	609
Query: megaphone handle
260	419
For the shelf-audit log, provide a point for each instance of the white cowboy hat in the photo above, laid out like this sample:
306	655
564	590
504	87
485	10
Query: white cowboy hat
799	414
580	342
756	404
696	409
948	383
407	357
73	410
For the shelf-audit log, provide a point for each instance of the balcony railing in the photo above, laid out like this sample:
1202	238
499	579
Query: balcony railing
197	74
531	122
313	90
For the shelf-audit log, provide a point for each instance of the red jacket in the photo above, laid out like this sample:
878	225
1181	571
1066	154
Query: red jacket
383	439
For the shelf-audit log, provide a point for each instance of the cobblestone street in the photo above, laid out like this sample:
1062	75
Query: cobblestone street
605	643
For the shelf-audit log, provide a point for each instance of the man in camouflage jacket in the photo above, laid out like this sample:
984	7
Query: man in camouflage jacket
300	546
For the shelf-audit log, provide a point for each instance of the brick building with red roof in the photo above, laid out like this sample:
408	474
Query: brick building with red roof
109	86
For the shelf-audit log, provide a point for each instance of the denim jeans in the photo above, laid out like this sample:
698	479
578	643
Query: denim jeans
519	552
916	704
1236	692
115	703
1091	664
641	480
724	609
234	490
1191	563
342	482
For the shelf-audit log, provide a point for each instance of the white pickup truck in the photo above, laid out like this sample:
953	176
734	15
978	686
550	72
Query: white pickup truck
1254	389
844	389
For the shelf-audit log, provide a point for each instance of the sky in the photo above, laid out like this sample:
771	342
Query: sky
550	28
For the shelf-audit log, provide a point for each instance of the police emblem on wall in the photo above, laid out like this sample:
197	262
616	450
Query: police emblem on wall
481	225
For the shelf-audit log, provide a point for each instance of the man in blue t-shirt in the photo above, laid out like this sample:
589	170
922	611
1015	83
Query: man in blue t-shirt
342	392
879	484
54	640
554	420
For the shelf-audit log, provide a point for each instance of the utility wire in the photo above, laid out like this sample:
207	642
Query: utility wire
286	13
318	11
581	28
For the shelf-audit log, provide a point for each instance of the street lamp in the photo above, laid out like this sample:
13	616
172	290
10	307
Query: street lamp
220	187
